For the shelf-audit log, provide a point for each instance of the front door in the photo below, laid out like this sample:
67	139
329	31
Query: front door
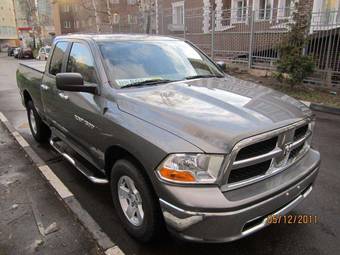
84	109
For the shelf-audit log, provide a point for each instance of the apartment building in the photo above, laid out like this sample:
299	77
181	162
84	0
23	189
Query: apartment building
102	16
228	14
8	33
234	23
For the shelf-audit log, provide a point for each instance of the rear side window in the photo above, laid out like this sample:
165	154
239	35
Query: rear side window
57	57
81	61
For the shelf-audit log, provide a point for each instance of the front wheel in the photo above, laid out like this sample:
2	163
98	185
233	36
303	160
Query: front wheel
135	202
40	131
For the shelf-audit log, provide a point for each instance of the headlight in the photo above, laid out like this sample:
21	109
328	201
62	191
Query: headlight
311	126
190	168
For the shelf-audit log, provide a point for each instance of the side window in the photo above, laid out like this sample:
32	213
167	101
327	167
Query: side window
81	61
57	57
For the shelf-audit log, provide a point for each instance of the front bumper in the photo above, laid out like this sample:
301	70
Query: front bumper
236	221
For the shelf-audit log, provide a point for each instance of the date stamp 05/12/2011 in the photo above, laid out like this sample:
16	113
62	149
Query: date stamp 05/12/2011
292	219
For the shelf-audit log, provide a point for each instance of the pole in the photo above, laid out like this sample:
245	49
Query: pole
251	36
184	23
95	15
213	23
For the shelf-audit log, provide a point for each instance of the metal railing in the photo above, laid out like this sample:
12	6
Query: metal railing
248	37
253	37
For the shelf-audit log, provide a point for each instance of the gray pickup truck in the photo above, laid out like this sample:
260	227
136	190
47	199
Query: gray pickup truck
183	146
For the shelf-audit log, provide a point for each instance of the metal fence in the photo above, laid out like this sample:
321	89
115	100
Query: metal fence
248	37
252	37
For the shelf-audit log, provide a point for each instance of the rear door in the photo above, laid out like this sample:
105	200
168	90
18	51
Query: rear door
54	105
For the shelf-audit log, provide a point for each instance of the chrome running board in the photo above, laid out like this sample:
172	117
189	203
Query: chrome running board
55	143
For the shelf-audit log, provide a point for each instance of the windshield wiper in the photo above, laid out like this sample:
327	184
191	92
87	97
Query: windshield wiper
147	83
203	76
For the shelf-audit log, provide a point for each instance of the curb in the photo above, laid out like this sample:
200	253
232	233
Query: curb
322	108
64	194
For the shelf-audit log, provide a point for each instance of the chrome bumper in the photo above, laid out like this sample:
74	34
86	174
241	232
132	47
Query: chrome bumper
232	225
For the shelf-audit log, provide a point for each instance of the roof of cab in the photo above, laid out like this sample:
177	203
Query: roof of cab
119	37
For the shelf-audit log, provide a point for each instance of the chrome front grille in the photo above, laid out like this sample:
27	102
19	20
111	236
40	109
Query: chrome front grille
262	156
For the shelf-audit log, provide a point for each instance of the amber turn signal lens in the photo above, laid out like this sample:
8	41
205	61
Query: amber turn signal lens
174	175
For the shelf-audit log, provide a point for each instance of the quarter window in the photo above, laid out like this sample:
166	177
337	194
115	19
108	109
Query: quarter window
57	57
81	61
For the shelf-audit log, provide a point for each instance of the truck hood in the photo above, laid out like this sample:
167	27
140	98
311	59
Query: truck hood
212	114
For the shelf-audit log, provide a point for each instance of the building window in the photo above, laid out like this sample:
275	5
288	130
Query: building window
76	24
131	2
264	9
66	8
178	13
132	19
67	24
114	1
288	8
285	9
90	21
116	18
326	14
239	11
329	9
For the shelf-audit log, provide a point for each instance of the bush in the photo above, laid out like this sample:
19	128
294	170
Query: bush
293	64
296	66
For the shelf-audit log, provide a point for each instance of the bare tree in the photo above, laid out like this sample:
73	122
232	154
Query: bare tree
103	7
148	10
29	8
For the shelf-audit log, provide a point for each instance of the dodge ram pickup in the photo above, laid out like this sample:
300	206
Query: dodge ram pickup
182	145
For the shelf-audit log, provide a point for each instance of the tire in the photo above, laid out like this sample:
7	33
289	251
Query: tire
151	227
40	131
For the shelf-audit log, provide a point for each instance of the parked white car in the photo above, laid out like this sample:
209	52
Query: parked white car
44	52
16	52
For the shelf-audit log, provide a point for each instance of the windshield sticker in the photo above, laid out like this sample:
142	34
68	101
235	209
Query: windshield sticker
124	82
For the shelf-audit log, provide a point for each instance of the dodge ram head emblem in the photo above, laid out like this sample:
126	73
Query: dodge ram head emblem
286	149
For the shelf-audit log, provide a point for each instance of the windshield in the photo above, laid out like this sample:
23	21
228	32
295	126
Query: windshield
132	62
47	50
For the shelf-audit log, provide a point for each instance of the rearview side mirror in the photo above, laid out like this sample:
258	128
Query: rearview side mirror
222	65
73	82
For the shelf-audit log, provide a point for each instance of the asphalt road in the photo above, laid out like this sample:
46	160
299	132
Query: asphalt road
320	238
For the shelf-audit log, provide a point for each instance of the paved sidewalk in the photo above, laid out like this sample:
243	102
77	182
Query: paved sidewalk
32	219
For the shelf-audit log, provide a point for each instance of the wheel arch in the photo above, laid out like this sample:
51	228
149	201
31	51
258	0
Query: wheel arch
117	152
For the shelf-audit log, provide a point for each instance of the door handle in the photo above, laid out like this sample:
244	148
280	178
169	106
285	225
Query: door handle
63	96
44	87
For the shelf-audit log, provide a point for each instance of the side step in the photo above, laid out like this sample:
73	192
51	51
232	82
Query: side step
60	147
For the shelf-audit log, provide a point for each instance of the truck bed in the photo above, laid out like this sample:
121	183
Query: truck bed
29	78
35	65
